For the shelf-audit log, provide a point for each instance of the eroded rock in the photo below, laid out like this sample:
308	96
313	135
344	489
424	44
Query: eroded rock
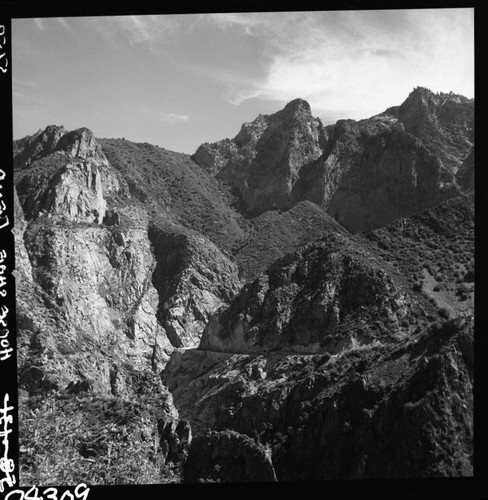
227	456
338	417
194	279
309	300
264	160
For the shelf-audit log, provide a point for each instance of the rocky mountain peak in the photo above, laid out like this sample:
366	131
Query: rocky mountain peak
444	122
52	133
296	109
447	108
298	104
264	159
60	172
81	143
365	174
78	144
33	147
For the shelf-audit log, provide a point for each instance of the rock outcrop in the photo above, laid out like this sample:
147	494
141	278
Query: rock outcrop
401	390
98	283
320	353
194	279
309	300
80	144
227	456
64	173
364	174
264	159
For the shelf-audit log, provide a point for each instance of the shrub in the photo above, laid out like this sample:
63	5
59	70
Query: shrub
444	313
97	440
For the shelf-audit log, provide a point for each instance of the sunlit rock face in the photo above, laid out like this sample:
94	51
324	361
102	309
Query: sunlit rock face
262	310
63	173
194	279
85	290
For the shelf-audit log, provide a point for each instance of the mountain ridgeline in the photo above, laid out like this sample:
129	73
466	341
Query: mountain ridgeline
293	303
365	174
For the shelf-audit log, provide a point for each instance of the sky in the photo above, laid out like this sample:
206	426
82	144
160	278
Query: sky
180	80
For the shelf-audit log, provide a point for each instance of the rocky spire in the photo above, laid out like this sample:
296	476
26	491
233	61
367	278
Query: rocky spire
264	159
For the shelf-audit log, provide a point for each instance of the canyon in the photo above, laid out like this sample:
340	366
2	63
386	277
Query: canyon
295	303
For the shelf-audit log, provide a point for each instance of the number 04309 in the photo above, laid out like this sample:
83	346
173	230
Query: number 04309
81	492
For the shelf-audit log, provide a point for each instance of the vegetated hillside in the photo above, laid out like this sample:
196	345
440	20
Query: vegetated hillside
376	284
434	252
77	435
373	411
336	351
118	262
324	296
275	233
171	183
365	174
338	363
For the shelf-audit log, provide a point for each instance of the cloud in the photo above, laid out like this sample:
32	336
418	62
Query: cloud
251	23
172	118
149	31
349	64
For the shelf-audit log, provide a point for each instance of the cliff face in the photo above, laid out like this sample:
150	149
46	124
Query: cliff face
263	161
194	279
103	296
378	411
215	318
364	174
397	163
391	371
310	300
94	282
376	172
61	173
443	122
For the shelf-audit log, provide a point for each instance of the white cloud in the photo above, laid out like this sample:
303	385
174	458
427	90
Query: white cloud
250	23
149	31
355	64
172	118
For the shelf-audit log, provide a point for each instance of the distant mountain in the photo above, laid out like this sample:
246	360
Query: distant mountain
293	303
364	174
